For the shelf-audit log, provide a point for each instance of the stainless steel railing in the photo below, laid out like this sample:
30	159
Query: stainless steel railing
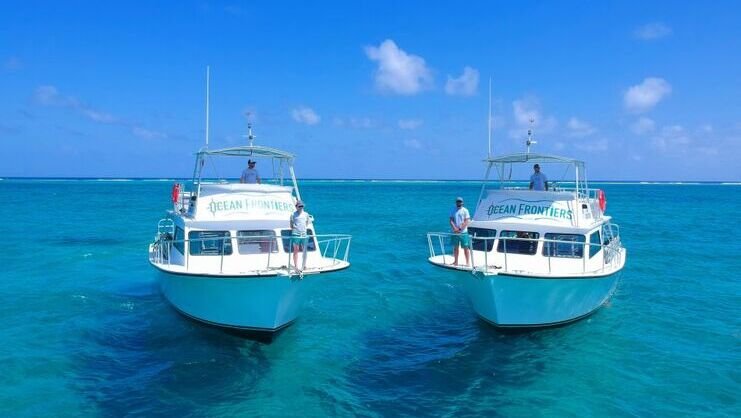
333	249
494	260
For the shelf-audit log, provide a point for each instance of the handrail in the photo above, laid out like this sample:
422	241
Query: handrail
338	244
609	253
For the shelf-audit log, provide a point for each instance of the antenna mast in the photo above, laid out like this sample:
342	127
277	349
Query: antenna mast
530	140
489	126
208	77
250	137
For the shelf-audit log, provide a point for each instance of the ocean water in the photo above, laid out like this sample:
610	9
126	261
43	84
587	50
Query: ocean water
86	332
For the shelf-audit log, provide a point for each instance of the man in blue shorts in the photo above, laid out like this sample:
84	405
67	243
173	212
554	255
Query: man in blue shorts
459	220
299	223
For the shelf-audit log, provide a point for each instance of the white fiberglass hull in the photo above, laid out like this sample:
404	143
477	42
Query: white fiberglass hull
245	303
519	301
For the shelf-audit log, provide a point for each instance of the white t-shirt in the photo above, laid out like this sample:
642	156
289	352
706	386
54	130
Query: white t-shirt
300	222
459	216
538	180
250	175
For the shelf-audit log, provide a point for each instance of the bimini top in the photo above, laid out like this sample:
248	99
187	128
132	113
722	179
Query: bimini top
248	151
531	157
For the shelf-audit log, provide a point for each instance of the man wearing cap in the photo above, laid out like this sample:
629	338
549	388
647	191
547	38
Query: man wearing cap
538	181
250	175
299	223
459	220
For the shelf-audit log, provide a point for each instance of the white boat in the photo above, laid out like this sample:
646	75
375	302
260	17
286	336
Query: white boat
224	249
538	258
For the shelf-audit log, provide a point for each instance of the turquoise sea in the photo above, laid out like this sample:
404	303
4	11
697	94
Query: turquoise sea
86	332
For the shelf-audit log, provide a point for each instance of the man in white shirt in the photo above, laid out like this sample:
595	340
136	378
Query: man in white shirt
459	220
250	175
299	223
538	181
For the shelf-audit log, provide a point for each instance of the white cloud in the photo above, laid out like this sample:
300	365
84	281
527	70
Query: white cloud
398	72
643	97
354	122
147	134
50	96
97	116
362	123
671	137
526	109
578	128
593	146
413	144
465	85
305	115
410	124
652	31
13	64
643	126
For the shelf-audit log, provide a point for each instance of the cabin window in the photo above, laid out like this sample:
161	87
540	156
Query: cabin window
595	244
286	238
481	244
523	242
210	243
256	242
567	245
179	240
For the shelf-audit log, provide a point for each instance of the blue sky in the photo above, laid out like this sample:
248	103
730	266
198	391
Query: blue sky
639	90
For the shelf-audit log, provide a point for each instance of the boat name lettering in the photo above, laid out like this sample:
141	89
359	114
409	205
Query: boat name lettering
247	204
526	209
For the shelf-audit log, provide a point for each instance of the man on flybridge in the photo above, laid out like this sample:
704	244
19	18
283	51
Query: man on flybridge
538	181
250	175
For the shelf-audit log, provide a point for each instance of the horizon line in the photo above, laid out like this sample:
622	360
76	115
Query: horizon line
350	179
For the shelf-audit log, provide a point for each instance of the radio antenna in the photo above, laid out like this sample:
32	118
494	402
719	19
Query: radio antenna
489	124
208	77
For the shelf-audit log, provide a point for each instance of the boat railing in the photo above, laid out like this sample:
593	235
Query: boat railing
333	248
554	186
491	260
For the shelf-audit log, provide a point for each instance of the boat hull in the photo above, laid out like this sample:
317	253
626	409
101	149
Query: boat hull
263	304
522	301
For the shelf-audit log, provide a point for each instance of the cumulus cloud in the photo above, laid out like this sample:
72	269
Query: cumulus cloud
578	128
643	97
410	124
527	109
355	122
643	126
652	31
465	85
146	133
413	144
97	116
50	96
13	64
362	123
671	137
598	145
305	115
398	72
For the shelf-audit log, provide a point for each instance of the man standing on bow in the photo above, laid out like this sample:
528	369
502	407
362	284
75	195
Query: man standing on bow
459	220
299	223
